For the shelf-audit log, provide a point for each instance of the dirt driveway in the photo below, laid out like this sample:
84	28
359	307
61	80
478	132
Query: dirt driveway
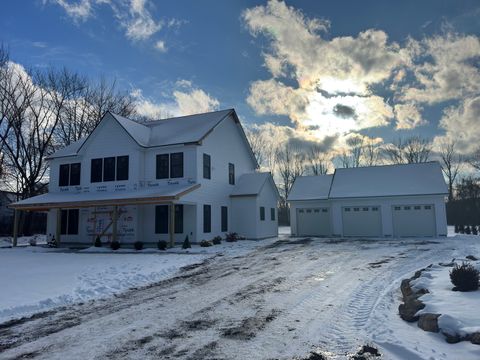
280	301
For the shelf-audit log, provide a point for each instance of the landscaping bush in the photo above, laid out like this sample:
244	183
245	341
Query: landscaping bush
32	242
456	229
461	229
186	244
52	242
474	230
115	245
98	242
217	240
467	230
205	243
162	245
231	237
138	245
465	277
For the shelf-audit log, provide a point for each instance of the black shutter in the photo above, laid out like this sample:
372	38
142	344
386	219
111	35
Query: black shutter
262	213
161	219
109	169
272	214
207	218
176	165
163	165
178	219
96	170
231	174
207	174
63	222
224	219
73	215
122	168
75	174
64	175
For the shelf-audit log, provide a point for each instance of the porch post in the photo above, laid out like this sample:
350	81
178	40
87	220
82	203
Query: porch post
171	227
15	227
58	225
114	223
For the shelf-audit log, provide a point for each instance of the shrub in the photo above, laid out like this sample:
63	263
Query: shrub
217	240
98	242
162	245
205	243
456	229
231	237
52	242
465	277
138	245
115	245
186	244
474	230
33	241
467	230
461	229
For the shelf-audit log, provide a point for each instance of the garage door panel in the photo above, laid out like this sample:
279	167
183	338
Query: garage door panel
313	222
362	221
414	220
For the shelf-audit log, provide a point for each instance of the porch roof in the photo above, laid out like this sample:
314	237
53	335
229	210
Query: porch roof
88	199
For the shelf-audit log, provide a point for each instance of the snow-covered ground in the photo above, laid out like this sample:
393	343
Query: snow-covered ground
256	300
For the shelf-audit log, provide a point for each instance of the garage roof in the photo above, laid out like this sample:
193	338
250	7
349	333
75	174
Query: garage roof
311	187
252	184
389	180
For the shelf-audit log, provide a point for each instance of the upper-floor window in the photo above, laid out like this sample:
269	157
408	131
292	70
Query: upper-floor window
169	166
231	174
69	174
109	169
207	167
176	165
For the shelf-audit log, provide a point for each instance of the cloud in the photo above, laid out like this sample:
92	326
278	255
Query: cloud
185	99
138	22
160	46
78	11
408	116
461	124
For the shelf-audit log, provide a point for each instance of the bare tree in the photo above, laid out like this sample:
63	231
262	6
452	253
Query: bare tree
351	156
291	164
319	160
451	163
474	159
413	150
256	141
371	153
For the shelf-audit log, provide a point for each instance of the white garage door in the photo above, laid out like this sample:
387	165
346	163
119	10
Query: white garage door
313	222
413	220
362	221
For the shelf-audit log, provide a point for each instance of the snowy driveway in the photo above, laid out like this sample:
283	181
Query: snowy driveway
281	300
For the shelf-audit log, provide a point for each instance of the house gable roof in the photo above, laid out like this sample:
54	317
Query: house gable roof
311	188
252	184
191	129
389	180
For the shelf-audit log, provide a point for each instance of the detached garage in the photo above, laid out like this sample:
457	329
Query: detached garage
379	201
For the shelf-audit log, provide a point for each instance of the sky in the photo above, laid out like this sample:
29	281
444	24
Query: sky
311	71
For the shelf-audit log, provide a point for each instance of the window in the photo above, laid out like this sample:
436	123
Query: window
163	164
316	210
176	165
428	207
309	211
122	168
397	208
178	219
365	209
272	214
161	219
75	174
231	174
300	211
417	207
347	209
109	169
374	208
356	209
69	222
262	213
406	208
96	170
324	210
207	167
64	175
207	218
224	218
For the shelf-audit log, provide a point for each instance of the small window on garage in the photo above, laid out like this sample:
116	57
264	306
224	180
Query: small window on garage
417	207
316	210
324	210
262	213
272	214
397	208
356	209
309	211
300	211
347	209
406	208
365	209
428	207
374	208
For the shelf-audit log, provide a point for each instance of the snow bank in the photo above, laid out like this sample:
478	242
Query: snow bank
458	309
35	279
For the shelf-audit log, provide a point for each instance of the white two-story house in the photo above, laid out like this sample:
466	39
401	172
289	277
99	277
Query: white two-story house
189	176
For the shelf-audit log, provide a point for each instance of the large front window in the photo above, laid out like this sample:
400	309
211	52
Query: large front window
109	169
69	222
207	218
162	219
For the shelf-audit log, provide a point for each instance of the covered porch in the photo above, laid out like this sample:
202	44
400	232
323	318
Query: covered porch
148	215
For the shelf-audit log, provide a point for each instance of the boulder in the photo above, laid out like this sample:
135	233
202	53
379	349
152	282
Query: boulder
410	308
406	288
474	338
471	257
428	322
452	339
